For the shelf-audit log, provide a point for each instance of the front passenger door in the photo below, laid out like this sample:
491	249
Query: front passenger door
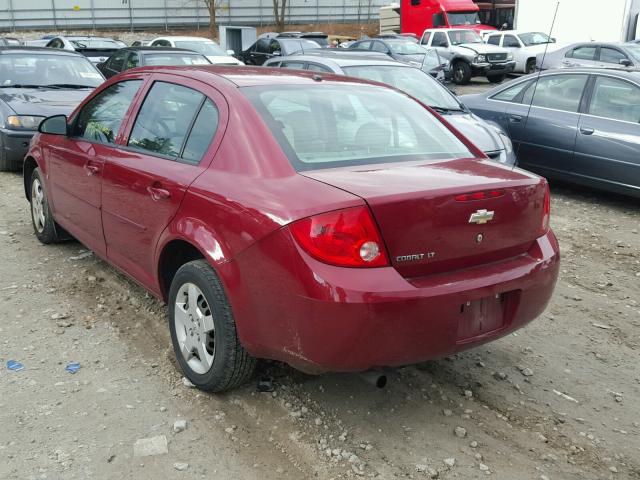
77	162
147	175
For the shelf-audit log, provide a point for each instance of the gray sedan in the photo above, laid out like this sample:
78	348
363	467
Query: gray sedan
485	135
591	54
579	125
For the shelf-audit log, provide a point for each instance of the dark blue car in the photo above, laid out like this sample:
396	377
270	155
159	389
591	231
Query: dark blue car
578	125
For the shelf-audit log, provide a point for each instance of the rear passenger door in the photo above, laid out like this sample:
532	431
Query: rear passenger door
545	141
609	134
172	140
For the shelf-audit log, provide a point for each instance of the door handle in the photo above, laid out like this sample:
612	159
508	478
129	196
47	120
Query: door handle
586	130
515	118
91	169
158	193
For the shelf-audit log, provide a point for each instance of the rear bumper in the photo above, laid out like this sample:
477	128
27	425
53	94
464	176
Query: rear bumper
15	144
321	318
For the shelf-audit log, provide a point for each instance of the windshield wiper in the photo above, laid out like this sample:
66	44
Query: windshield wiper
67	85
444	110
21	85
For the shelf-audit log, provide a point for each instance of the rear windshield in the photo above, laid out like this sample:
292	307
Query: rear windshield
326	126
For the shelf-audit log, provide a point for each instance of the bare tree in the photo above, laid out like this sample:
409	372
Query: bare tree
279	8
214	6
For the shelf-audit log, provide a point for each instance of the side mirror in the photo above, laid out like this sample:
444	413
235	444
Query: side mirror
626	62
231	53
505	26
55	125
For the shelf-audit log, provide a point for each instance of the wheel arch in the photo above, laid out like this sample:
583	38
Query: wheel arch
30	164
174	253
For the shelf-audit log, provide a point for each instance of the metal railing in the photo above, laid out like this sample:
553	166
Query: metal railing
171	14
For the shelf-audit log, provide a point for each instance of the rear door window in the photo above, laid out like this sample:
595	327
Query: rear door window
203	130
165	118
615	99
363	46
557	92
100	119
314	67
294	65
117	61
379	47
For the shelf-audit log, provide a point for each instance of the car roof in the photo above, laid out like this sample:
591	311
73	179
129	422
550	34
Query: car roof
47	51
179	37
84	37
346	60
253	76
147	49
632	74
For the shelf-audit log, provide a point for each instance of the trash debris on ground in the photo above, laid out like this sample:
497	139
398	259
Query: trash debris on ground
14	365
72	367
565	396
145	447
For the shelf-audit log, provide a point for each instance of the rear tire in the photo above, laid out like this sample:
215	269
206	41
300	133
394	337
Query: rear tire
461	73
44	226
495	78
203	331
531	66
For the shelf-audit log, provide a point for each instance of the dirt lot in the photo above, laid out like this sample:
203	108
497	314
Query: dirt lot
558	400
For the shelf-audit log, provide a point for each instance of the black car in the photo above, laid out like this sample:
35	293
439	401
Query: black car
320	38
400	49
35	83
132	57
266	48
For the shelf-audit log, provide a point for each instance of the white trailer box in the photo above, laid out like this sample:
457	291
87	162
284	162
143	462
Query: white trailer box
390	18
581	20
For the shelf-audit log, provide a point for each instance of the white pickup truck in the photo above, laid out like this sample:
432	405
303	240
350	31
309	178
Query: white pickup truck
468	55
524	46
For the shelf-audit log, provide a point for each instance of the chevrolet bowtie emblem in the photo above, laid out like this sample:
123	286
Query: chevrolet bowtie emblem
481	216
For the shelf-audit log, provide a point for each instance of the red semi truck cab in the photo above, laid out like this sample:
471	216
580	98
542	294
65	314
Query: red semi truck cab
418	15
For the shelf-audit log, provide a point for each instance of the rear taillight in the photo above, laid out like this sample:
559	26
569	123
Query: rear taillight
347	238
546	210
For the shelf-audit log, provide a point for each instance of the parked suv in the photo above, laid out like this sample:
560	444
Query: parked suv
468	55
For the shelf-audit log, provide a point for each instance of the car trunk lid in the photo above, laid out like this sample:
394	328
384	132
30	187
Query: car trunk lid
429	225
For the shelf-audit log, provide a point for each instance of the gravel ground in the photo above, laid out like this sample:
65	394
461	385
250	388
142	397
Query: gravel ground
559	399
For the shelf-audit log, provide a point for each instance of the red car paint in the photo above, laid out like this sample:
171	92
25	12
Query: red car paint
416	17
236	208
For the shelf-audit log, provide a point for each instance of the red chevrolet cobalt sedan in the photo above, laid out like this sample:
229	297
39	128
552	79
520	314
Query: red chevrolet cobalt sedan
327	222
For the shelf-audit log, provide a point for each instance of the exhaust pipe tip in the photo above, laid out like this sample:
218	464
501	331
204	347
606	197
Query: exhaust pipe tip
377	379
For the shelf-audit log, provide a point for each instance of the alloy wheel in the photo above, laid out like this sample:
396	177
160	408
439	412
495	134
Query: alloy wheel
37	205
194	327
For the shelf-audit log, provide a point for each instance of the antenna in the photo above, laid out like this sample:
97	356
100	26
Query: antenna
535	85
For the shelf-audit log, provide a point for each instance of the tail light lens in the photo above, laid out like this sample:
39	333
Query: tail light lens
546	210
346	238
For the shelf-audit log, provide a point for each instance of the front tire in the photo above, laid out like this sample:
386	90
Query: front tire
495	78
44	226
203	331
461	73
